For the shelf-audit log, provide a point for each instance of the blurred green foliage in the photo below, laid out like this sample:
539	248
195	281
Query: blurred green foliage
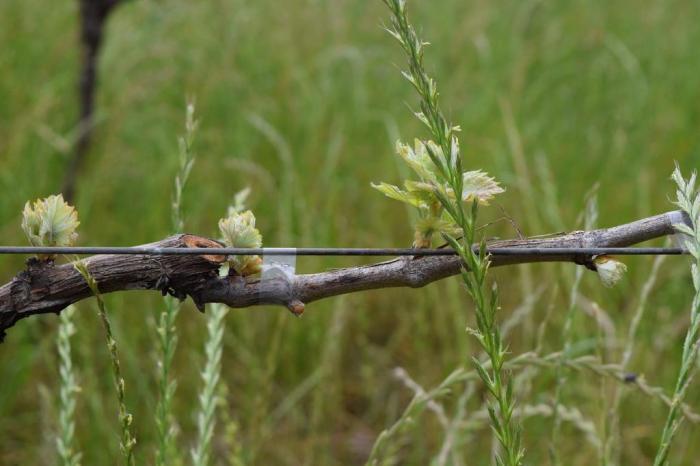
302	101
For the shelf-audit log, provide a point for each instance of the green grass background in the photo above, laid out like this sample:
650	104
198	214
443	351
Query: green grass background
302	100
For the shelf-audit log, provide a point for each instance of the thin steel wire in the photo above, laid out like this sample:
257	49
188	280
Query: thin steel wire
504	251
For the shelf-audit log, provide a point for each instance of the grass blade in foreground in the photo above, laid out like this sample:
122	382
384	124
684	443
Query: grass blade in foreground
590	217
440	197
238	230
210	377
167	335
688	199
68	388
167	341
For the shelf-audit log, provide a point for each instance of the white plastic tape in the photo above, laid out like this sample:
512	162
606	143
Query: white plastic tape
679	239
278	274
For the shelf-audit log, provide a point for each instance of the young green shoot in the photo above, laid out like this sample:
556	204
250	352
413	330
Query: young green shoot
238	231
50	222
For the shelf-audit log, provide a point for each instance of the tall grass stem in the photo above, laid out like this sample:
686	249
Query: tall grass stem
208	396
688	199
127	440
444	152
65	440
166	330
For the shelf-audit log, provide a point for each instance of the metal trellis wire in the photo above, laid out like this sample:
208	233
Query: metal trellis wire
386	252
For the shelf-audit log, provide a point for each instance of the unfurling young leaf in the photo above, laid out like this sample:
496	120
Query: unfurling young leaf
610	270
50	222
429	195
238	231
429	226
396	193
418	159
480	186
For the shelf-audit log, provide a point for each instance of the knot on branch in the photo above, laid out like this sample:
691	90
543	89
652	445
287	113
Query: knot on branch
296	307
30	283
586	261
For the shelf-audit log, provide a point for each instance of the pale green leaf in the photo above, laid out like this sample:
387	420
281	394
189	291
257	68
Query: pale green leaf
50	222
610	271
396	193
238	231
434	225
478	185
417	159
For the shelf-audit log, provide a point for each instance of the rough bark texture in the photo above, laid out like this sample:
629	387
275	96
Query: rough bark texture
48	288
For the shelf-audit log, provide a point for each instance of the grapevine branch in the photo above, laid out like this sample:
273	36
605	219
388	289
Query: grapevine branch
49	288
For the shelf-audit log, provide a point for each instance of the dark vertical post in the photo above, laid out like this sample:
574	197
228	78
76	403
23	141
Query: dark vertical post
93	17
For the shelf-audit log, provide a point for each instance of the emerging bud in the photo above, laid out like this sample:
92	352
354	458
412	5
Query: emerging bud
429	226
238	231
50	222
609	270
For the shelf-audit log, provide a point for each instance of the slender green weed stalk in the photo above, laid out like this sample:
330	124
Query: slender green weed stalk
208	396
167	341
230	437
187	158
127	441
590	217
167	334
450	444
386	447
688	199
238	230
67	391
613	438
439	196
572	415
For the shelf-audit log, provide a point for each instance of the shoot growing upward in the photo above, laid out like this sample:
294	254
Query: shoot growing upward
50	222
